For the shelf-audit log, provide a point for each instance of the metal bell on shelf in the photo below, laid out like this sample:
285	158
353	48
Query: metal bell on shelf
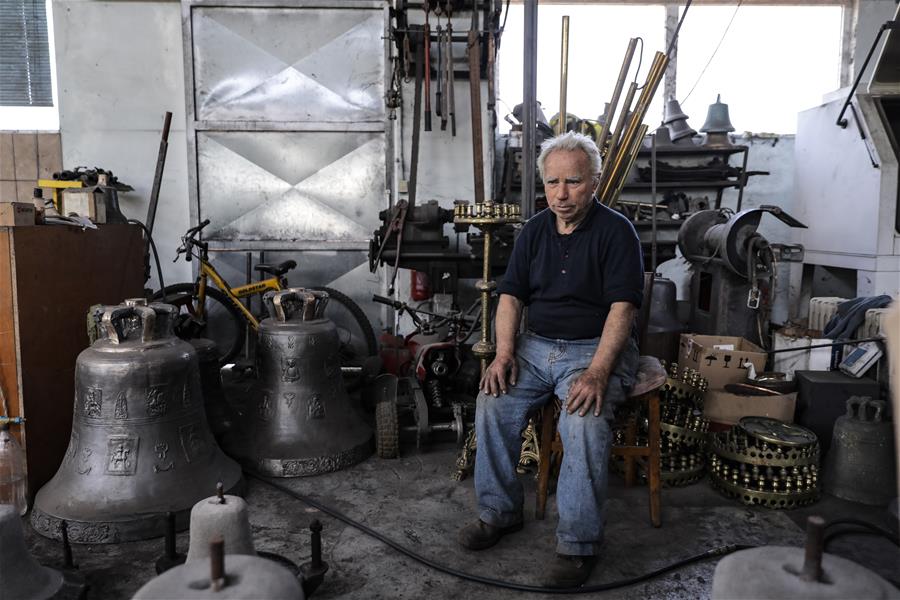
140	444
301	420
673	112
680	130
717	120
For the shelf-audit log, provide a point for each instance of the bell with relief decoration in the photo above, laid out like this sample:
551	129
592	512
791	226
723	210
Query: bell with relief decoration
140	445
300	420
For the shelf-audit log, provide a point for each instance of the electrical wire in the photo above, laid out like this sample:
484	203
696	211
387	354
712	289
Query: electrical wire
711	553
722	39
162	285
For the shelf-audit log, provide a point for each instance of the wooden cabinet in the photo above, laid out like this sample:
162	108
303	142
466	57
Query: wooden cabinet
49	276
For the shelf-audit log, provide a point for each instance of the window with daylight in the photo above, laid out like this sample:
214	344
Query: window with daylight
768	62
26	66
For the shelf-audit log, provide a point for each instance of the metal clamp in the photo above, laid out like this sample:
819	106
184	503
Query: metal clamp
753	298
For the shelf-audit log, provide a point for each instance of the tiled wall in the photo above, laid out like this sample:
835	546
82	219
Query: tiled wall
25	158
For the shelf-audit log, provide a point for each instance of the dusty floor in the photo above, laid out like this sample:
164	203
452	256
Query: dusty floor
413	501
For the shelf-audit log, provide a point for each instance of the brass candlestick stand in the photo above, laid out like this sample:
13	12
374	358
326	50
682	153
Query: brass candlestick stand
487	217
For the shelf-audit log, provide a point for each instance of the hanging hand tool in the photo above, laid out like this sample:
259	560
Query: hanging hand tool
426	35
491	62
474	49
451	70
439	94
157	176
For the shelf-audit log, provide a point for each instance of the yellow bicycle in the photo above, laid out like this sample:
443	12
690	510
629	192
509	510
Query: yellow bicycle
217	312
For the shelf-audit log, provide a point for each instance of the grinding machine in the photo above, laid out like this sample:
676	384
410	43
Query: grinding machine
140	444
733	269
301	421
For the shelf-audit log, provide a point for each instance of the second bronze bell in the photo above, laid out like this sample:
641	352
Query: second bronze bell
300	420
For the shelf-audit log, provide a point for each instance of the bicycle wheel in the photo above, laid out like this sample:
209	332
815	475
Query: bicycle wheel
221	323
356	333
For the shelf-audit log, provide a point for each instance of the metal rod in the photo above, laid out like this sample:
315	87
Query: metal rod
841	121
617	134
68	562
657	69
475	104
158	174
631	156
812	559
315	542
563	76
171	551
529	96
653	240
417	127
840	343
217	564
617	91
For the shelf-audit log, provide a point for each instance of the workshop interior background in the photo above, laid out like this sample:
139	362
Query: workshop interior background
756	154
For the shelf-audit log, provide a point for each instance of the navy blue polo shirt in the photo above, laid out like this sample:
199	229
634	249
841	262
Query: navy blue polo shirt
570	281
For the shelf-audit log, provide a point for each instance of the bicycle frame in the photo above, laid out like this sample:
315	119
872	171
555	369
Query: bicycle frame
207	271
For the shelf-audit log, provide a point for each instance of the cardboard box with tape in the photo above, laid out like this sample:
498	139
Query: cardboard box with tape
16	214
721	359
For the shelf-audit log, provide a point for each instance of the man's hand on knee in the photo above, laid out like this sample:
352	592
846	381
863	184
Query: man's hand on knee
502	369
586	393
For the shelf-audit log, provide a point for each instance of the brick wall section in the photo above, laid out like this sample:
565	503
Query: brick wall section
25	158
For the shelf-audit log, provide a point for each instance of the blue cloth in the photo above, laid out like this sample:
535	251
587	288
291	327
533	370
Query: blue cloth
851	314
546	368
570	281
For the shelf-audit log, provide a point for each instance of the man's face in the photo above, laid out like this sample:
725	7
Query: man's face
568	184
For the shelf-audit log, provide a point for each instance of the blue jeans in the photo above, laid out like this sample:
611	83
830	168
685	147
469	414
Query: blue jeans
546	368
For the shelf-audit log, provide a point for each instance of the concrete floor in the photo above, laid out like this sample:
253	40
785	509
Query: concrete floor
413	501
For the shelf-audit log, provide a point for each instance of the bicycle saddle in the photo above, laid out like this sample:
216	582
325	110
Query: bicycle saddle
277	270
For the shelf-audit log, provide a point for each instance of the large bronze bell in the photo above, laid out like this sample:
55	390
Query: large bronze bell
861	464
663	328
301	421
140	443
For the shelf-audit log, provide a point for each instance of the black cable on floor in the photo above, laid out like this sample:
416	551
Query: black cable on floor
868	529
711	553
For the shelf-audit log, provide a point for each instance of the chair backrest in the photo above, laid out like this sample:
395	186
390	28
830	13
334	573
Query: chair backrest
643	316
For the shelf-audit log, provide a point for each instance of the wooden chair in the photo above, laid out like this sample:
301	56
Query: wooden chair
650	378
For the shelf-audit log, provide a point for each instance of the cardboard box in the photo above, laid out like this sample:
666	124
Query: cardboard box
725	408
719	366
16	214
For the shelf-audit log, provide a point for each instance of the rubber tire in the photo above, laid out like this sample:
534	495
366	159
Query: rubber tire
362	321
186	290
387	429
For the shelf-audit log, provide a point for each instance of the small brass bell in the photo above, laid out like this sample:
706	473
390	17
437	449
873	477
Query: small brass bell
717	120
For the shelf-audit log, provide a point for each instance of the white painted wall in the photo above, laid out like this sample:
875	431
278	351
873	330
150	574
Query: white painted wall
120	68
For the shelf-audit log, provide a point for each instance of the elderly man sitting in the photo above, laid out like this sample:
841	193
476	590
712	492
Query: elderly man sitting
578	268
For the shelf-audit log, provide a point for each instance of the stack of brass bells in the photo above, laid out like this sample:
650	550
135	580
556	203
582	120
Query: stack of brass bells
683	429
766	462
300	420
140	443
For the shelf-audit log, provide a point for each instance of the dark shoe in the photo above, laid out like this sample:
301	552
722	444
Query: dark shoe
567	571
480	535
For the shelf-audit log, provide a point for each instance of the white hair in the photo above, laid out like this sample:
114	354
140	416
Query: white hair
570	141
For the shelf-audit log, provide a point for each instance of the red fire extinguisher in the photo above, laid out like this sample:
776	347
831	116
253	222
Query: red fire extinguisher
419	286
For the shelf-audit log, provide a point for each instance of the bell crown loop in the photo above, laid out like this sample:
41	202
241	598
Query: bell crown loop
858	409
283	305
119	323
